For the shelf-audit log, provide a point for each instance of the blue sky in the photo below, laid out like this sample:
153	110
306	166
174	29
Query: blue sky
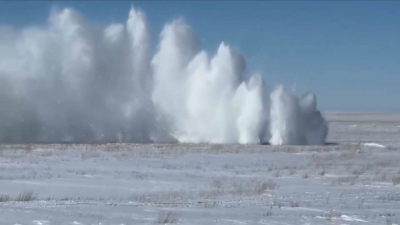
348	53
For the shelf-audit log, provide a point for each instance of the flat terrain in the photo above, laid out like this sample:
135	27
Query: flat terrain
355	180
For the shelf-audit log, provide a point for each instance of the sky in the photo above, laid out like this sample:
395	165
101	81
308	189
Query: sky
346	52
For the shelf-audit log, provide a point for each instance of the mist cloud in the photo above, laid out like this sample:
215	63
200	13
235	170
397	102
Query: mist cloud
70	81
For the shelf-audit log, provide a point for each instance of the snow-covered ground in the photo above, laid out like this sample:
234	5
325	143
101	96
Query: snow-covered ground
354	180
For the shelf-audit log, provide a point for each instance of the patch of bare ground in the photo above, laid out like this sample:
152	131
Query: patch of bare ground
23	197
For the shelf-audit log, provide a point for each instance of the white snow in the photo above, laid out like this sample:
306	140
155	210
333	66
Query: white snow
372	144
349	218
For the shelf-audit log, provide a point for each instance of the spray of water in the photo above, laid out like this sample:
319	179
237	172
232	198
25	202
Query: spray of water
69	81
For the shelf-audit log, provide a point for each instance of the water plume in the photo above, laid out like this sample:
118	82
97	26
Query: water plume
70	81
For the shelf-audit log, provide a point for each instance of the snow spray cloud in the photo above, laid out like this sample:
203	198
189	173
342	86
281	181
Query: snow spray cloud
294	121
69	81
203	99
